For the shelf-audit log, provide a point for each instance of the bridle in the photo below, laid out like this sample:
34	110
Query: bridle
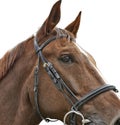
62	86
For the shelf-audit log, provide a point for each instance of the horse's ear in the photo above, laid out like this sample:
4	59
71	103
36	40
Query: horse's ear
74	26
53	17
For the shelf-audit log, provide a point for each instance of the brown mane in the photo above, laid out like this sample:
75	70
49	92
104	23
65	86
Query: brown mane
8	60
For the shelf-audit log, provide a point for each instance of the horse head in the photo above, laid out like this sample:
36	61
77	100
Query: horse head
55	78
59	53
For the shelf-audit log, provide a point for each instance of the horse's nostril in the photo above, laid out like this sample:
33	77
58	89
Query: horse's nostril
117	122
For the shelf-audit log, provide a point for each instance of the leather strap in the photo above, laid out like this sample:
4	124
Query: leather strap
93	94
87	98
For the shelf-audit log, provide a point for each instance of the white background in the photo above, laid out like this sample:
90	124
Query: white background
98	34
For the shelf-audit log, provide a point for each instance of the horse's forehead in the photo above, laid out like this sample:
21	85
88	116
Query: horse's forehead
72	46
80	49
85	53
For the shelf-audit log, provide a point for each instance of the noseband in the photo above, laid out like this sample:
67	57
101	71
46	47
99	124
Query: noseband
62	86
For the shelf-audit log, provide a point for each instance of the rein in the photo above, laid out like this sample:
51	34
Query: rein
62	86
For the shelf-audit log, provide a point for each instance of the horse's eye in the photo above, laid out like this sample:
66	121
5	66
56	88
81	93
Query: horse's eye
66	59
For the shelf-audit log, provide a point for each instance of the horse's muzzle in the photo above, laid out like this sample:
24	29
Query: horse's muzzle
117	122
97	121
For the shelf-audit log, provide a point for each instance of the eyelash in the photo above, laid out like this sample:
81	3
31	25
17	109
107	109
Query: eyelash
68	59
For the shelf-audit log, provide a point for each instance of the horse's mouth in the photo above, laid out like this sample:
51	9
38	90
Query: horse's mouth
100	122
96	123
93	119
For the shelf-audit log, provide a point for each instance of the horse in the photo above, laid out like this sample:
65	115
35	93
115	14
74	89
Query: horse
50	76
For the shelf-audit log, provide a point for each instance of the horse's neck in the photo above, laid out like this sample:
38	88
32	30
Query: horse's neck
15	105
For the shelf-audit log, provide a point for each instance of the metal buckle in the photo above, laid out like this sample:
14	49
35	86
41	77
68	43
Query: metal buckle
84	121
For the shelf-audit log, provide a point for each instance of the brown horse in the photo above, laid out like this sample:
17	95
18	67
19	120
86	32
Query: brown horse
31	89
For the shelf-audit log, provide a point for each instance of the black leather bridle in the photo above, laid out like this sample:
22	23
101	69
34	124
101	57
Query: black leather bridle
59	82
